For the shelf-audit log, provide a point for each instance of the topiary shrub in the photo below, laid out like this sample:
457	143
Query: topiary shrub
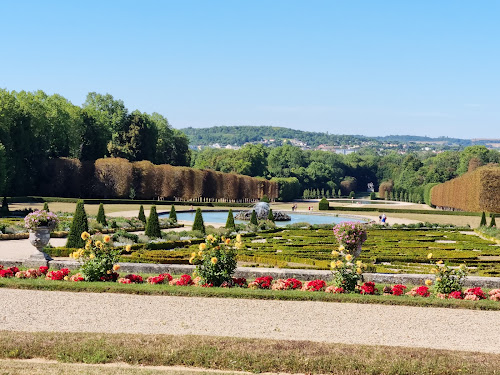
230	220
153	224
46	206
270	215
142	216
323	205
101	217
483	220
373	196
198	223
173	215
5	207
493	222
253	218
352	194
79	225
265	199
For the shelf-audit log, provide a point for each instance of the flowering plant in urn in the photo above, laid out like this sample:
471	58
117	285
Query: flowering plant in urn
350	235
40	218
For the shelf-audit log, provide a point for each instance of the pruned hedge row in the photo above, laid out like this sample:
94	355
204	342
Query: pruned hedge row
476	191
119	178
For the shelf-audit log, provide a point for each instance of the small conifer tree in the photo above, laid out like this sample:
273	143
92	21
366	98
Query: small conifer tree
173	215
198	223
141	216
101	216
230	220
153	224
493	223
339	193
5	206
270	215
253	218
483	220
46	207
78	226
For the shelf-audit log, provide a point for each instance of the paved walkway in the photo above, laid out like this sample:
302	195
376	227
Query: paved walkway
349	323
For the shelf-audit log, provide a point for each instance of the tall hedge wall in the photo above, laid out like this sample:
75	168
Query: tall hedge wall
116	177
476	191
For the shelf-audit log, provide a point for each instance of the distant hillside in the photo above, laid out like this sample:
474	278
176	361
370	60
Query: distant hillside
419	139
239	135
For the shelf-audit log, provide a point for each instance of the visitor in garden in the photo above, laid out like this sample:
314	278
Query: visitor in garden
383	219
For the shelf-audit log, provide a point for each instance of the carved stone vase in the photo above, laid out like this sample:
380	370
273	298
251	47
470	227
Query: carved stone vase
39	238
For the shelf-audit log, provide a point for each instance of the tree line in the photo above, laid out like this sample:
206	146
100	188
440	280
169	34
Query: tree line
36	127
395	175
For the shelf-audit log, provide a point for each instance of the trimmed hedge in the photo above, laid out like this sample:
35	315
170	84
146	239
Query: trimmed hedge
323	205
474	191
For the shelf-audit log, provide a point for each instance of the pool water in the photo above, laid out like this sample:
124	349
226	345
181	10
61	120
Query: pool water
220	217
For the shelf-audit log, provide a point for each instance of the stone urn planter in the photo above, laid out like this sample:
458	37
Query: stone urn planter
39	238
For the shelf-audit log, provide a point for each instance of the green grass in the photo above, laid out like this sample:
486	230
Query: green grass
237	354
295	295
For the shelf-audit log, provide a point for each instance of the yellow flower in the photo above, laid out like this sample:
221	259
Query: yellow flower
210	238
108	272
434	270
200	253
85	236
341	248
438	279
340	263
439	262
429	256
214	260
128	248
92	256
66	278
116	267
333	265
98	243
335	253
428	282
348	257
88	246
359	263
463	266
107	238
227	241
238	238
193	255
203	246
359	271
191	260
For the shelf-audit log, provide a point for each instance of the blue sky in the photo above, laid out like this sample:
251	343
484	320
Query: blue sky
346	67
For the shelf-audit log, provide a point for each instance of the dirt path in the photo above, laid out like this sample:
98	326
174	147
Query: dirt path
348	323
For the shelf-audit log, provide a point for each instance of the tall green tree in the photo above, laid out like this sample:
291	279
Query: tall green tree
141	216
253	218
230	220
198	223
78	226
153	224
173	215
101	216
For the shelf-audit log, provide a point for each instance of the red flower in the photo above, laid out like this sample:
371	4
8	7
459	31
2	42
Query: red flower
43	269
478	292
293	284
457	294
240	281
263	282
137	279
6	273
185	280
368	288
14	269
315	285
398	289
166	276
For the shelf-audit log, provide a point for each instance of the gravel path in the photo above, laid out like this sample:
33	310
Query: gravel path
348	323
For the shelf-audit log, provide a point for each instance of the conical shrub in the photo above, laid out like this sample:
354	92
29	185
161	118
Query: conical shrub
253	218
78	226
141	216
230	220
483	220
173	215
101	216
46	207
270	215
493	222
5	207
153	224
198	223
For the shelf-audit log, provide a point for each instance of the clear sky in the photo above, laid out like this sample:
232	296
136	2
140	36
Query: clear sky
347	67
